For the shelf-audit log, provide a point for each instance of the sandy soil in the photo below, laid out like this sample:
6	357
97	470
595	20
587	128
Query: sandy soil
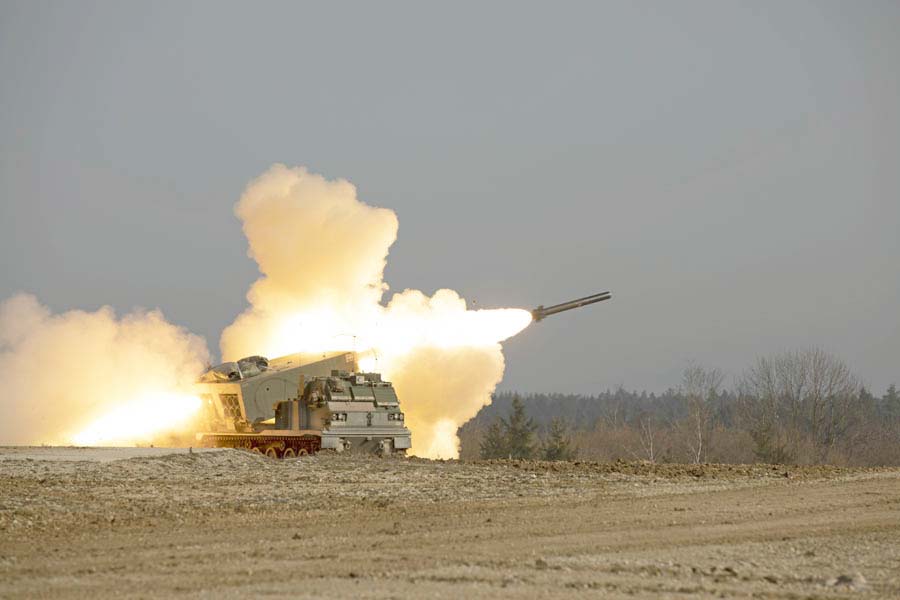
96	524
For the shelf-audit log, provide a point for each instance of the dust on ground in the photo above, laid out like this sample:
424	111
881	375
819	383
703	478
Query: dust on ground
96	523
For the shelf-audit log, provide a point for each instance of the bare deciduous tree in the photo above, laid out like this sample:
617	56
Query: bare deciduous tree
646	424
761	403
799	398
700	387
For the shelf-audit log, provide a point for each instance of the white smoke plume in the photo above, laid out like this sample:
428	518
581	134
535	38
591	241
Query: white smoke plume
322	253
442	388
93	378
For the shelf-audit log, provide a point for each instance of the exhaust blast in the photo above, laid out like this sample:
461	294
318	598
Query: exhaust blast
321	254
90	378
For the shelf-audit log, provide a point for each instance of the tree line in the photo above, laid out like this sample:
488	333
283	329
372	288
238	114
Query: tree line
514	437
799	407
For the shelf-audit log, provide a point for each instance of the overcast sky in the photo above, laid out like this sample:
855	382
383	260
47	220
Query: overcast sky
730	171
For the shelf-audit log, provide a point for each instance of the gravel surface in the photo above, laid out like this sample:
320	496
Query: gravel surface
69	453
161	523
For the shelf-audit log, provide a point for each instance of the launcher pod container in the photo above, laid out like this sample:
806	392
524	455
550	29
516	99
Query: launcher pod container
300	404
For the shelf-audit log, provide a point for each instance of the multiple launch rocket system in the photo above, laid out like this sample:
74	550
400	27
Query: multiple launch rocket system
296	405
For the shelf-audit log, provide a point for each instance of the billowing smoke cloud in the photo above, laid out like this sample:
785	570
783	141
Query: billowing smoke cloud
92	378
322	254
443	388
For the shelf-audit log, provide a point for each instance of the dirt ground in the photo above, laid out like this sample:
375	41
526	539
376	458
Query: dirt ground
87	523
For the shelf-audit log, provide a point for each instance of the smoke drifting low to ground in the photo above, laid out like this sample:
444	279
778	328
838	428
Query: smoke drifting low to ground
442	388
322	253
93	378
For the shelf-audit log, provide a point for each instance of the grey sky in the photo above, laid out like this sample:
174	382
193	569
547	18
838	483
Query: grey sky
728	170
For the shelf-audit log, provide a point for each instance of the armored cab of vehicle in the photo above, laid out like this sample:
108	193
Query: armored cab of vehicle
300	404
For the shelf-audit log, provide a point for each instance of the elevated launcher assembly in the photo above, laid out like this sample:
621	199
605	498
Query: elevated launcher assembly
541	312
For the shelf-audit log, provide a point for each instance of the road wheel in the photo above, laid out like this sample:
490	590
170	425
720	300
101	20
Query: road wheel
255	450
271	452
302	452
288	453
384	448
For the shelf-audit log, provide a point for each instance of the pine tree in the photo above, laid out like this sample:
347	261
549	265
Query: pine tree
890	403
558	445
519	429
494	444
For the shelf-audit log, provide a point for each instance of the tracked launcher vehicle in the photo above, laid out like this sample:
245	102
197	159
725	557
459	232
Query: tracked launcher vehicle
301	404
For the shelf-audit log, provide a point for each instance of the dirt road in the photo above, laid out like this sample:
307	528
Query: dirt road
231	524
